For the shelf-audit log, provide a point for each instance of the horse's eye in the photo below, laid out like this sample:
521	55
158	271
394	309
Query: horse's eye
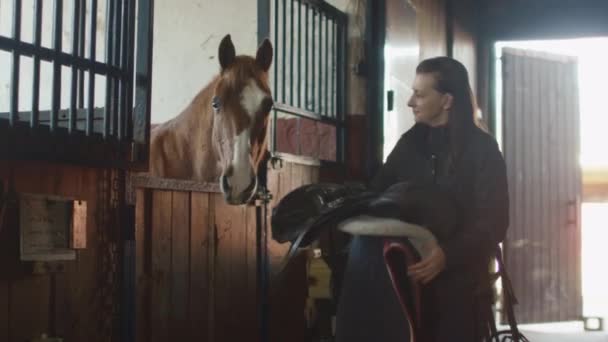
215	103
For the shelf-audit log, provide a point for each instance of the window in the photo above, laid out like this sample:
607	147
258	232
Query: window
71	91
309	39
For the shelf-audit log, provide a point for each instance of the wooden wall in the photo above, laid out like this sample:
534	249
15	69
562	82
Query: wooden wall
73	303
196	265
542	250
463	26
432	27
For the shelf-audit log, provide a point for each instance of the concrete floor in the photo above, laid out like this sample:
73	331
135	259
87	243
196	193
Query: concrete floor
536	336
561	332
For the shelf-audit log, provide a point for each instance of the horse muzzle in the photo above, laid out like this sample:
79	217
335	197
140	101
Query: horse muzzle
235	196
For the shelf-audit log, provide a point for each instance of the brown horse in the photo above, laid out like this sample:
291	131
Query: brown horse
221	135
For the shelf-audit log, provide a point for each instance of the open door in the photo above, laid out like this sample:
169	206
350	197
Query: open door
401	56
541	148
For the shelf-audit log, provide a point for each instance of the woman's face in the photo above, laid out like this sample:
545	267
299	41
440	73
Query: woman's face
429	106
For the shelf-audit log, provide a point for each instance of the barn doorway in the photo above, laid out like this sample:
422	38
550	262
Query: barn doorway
546	248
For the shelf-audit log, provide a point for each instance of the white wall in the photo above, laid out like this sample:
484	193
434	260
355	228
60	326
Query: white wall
186	38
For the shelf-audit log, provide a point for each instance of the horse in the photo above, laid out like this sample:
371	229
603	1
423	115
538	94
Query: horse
221	135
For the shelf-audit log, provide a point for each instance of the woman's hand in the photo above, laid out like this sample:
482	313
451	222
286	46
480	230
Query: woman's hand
428	268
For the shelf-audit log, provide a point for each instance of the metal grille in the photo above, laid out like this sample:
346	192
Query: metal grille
91	59
309	70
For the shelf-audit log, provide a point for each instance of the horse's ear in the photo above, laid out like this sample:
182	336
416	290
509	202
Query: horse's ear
264	55
226	52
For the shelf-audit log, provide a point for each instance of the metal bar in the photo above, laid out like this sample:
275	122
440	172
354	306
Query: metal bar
263	20
116	126
130	68
123	86
74	79
36	77
341	112
303	113
320	56
92	46
141	125
291	34
276	46
273	142
334	67
312	59
326	76
324	7
14	106
307	11
49	55
343	63
284	32
45	117
299	54
110	34
81	47
262	268
57	35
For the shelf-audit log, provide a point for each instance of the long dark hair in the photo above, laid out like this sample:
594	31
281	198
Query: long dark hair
451	77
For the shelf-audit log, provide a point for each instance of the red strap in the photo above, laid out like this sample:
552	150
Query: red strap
410	259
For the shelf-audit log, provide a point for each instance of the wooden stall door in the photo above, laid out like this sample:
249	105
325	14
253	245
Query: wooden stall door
541	148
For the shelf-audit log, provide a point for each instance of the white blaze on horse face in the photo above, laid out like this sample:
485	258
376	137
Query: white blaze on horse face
252	97
242	174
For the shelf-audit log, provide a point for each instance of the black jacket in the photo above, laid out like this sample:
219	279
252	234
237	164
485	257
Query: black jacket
477	181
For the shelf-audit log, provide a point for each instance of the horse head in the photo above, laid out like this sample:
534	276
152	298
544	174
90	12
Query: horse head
241	104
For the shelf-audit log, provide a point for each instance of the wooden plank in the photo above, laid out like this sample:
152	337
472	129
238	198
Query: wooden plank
296	177
151	182
68	181
61	302
199	268
32	291
161	266
274	177
250	294
27	293
143	207
221	273
431	26
244	315
285	180
87	273
180	265
287	298
276	250
306	175
315	174
230	272
4	310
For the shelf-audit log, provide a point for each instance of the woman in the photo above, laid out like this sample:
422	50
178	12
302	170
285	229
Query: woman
447	148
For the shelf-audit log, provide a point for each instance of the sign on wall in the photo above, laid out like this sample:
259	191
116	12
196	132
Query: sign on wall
51	227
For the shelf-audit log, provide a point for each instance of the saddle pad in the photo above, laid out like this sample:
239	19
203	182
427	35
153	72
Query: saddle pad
418	236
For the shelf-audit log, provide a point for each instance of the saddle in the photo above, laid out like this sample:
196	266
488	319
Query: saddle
306	212
393	230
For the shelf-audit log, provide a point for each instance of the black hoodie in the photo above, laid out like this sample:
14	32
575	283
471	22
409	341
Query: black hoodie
476	179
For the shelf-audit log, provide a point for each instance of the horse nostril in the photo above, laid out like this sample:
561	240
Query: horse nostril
251	186
229	171
225	183
267	104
